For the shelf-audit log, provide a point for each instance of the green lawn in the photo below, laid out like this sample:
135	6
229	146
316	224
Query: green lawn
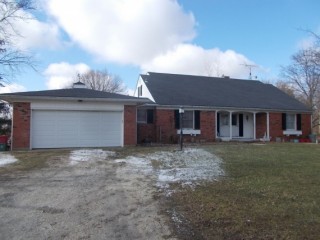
270	191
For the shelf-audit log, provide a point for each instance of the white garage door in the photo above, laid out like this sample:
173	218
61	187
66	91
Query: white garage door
58	129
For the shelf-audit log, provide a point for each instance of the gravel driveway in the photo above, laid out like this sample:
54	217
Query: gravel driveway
90	194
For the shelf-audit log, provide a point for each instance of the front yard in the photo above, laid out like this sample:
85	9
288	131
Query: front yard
269	192
220	191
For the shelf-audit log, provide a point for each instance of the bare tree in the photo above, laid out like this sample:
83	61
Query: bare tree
286	87
11	58
303	76
102	81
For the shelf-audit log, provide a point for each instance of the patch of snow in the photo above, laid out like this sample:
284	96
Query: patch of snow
6	158
137	164
85	155
186	167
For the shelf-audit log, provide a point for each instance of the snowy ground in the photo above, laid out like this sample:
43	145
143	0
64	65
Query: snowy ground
6	158
187	167
90	194
84	155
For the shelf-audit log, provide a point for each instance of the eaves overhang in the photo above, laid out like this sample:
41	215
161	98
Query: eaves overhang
15	98
212	108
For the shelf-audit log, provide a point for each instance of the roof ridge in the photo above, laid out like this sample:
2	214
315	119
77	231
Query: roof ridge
201	76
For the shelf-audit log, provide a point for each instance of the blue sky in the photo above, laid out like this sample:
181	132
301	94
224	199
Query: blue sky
206	37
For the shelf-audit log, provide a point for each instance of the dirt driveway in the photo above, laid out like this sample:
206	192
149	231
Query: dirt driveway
88	194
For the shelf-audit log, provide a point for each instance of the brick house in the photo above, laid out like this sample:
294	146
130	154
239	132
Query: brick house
216	109
75	117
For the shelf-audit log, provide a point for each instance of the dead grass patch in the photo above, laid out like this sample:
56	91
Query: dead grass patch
28	160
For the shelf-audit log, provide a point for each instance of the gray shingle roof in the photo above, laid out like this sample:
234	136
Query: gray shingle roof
187	90
69	93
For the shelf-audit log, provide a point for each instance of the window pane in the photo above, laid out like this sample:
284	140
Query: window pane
291	120
142	115
187	120
224	119
234	119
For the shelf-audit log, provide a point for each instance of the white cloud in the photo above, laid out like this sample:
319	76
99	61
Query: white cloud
154	35
62	75
12	87
36	34
28	32
192	59
126	31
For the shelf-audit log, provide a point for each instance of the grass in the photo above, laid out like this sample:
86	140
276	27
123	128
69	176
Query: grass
29	160
270	192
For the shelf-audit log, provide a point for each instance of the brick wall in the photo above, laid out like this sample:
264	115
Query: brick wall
130	125
276	126
165	125
207	126
306	124
21	125
146	133
163	129
261	125
275	121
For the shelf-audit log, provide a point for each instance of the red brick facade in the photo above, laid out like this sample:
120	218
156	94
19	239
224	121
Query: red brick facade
162	130
261	125
276	126
306	124
21	126
130	125
207	126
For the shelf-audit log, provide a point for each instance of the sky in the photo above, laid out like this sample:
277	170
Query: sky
131	37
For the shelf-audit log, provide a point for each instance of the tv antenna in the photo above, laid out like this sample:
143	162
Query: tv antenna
250	66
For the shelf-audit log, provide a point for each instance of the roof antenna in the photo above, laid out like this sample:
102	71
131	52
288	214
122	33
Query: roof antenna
250	66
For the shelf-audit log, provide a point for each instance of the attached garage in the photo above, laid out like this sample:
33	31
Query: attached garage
76	117
58	129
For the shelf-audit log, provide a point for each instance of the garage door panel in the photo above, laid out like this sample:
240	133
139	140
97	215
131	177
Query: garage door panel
54	129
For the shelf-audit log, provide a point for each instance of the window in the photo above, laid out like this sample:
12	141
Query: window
145	116
140	91
224	119
291	122
234	119
142	116
190	119
187	120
